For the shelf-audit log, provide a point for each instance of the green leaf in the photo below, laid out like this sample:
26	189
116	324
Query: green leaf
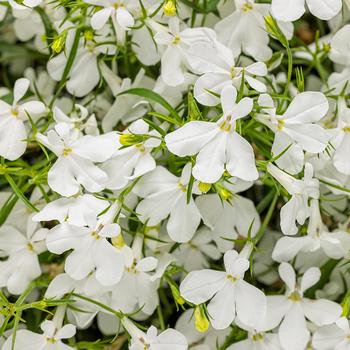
19	193
153	96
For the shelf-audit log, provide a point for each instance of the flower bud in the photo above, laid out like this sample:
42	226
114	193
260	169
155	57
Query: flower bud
204	187
59	43
200	319
131	139
170	8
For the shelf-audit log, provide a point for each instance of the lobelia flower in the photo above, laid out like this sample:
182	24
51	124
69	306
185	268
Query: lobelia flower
340	54
76	156
333	337
291	10
296	128
120	11
166	195
293	308
80	210
134	159
258	338
229	294
341	141
23	5
137	290
197	340
84	312
91	248
170	339
177	49
227	220
84	75
335	245
79	120
297	209
218	146
195	254
232	30
22	249
50	339
220	70
13	134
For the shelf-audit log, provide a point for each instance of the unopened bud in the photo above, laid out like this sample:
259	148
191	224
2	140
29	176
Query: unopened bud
176	294
225	194
200	319
58	44
118	241
170	8
131	139
204	187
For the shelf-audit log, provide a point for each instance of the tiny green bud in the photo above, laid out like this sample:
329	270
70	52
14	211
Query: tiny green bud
176	294
204	187
200	319
169	8
59	42
131	139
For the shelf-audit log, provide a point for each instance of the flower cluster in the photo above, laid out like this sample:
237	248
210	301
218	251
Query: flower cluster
175	174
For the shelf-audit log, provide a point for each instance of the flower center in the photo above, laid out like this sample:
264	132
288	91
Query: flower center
280	124
95	235
51	340
182	187
232	278
176	40
67	151
14	112
258	337
247	7
226	125
30	247
347	129
233	72
295	296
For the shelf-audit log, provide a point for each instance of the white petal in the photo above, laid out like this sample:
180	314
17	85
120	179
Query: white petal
287	274
124	18
100	18
170	339
200	286
240	158
190	138
293	332
287	248
324	9
250	303
228	99
321	311
184	220
20	89
221	309
307	107
310	278
210	162
287	10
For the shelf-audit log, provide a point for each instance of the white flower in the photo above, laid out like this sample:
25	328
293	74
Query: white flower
233	30
135	160
166	195
51	339
79	119
13	134
80	210
296	128
118	10
22	249
84	75
136	290
23	5
297	209
218	144
341	141
170	339
333	337
76	156
340	54
291	10
91	249
228	220
227	291
220	70
335	245
293	308
177	52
